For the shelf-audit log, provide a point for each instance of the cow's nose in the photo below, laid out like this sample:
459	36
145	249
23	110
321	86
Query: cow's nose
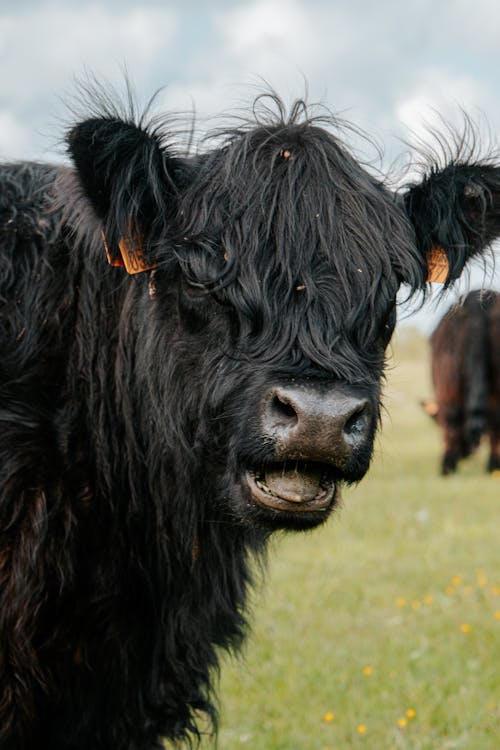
316	423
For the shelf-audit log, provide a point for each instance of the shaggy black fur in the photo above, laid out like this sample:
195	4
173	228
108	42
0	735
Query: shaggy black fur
129	406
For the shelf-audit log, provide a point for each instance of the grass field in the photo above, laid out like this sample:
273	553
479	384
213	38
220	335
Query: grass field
382	629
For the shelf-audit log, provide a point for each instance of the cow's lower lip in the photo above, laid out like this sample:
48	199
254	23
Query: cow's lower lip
307	487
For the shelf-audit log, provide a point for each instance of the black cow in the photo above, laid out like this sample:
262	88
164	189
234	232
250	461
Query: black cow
465	356
155	428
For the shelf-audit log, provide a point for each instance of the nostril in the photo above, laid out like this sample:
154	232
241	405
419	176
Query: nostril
282	411
356	425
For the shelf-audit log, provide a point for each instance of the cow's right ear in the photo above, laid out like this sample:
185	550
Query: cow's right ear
127	175
455	213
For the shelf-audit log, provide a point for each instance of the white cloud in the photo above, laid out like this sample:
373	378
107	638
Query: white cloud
44	46
381	64
470	27
439	95
58	40
263	26
14	136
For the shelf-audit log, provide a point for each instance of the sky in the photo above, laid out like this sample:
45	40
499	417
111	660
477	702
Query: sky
392	68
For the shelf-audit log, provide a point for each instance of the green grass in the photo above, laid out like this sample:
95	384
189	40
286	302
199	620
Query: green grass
389	583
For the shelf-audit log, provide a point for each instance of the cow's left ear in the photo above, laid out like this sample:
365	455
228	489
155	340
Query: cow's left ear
455	212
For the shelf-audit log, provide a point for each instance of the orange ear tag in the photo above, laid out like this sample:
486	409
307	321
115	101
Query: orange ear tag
113	260
438	265
131	255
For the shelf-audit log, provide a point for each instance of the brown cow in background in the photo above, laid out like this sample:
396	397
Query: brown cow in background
465	350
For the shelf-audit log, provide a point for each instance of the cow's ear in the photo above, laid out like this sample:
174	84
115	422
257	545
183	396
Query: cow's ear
127	175
455	213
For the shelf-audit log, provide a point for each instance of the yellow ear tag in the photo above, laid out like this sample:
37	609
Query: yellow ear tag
438	266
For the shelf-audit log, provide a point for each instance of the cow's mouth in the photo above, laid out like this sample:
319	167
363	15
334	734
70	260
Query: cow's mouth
297	486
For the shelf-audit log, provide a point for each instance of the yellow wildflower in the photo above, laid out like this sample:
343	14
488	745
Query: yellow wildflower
411	713
450	590
367	670
329	717
401	601
428	599
465	627
402	722
361	729
456	580
497	614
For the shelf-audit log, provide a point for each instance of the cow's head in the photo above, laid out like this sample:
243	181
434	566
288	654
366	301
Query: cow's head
278	261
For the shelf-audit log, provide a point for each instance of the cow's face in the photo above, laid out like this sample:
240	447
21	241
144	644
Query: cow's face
279	259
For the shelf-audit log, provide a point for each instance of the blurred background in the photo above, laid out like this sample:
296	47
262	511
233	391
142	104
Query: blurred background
391	68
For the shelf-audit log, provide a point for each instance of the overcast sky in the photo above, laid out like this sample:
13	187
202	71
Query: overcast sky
388	66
